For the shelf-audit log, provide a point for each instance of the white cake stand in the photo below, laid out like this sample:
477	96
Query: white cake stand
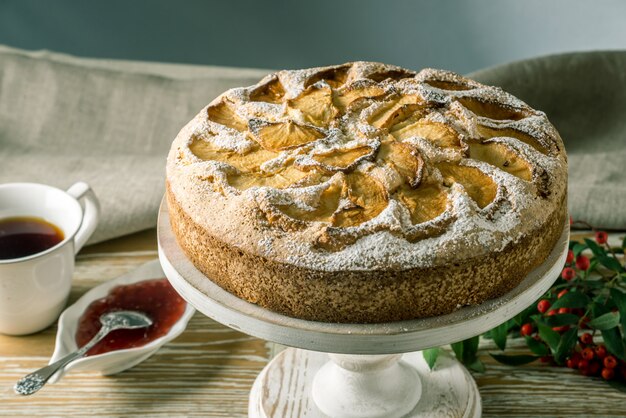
366	376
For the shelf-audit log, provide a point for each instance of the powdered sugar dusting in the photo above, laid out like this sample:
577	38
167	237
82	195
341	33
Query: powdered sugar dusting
464	230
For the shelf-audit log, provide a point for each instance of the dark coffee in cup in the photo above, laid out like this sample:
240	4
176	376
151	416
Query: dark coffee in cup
24	236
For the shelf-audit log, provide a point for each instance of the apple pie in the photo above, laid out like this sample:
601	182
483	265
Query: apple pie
366	192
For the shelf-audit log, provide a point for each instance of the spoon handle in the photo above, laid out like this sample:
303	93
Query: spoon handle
34	381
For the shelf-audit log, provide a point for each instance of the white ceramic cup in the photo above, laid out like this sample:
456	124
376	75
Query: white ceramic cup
34	289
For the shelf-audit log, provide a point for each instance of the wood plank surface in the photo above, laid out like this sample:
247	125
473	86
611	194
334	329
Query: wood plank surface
209	370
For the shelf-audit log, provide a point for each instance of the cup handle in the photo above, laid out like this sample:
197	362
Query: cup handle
82	190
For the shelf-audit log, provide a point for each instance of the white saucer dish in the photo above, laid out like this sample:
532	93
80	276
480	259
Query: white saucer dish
118	360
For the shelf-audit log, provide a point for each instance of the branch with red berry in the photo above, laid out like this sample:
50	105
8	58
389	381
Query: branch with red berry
579	323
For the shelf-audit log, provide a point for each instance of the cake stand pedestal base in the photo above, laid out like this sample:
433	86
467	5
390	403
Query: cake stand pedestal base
302	383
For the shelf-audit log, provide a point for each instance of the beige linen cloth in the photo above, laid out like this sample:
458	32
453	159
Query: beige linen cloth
110	123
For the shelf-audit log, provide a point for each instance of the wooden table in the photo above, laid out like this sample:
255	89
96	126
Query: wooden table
210	368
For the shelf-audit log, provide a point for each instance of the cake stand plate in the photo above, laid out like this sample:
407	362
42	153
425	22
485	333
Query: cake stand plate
365	377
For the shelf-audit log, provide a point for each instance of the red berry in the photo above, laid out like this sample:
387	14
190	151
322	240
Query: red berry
570	257
545	359
526	329
586	338
583	365
608	374
560	329
568	273
587	354
562	293
571	363
582	262
552	312
594	367
600	352
565	310
601	237
578	311
543	305
610	362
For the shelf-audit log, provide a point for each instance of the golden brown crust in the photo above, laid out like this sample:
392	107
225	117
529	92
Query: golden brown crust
363	296
367	193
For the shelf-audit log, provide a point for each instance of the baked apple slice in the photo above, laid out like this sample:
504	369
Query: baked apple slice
387	113
248	161
278	136
479	186
334	76
397	74
316	104
425	202
224	113
503	157
278	180
360	89
326	206
403	158
437	133
343	159
487	132
492	110
366	198
271	92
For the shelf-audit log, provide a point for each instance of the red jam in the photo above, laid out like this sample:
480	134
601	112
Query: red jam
156	298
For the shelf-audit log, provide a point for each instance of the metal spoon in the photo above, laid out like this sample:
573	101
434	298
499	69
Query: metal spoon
111	321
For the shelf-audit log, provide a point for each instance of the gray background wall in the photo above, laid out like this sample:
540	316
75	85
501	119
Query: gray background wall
461	35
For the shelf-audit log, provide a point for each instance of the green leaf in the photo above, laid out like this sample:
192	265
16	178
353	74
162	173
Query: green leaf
571	300
538	318
458	350
619	298
517	360
607	321
595	248
476	366
499	334
610	263
617	384
566	344
551	337
614	343
594	283
561	319
537	347
430	355
578	248
472	344
466	351
598	309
